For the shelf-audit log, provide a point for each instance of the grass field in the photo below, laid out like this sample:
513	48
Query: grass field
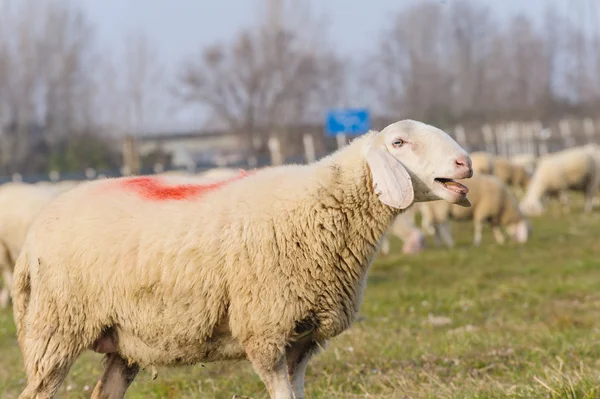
492	322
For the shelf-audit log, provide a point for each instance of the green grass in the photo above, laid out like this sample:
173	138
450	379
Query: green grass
491	322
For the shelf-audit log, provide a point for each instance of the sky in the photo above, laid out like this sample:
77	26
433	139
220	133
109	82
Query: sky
181	28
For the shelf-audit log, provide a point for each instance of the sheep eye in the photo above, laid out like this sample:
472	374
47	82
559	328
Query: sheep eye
398	143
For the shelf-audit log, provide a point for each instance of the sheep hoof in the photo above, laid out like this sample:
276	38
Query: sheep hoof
154	373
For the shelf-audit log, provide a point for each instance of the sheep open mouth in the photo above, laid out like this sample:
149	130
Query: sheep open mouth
452	185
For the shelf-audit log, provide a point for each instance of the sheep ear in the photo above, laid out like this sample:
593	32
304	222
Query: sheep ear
390	179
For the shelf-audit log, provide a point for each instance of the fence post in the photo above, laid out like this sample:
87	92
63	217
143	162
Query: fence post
499	144
488	138
252	161
588	128
54	176
131	156
275	149
191	166
544	135
125	170
564	127
309	148
536	130
461	137
341	140
90	173
158	167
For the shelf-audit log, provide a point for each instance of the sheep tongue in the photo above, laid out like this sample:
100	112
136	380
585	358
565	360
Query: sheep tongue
456	186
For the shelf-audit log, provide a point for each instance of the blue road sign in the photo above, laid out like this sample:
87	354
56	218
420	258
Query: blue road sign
347	121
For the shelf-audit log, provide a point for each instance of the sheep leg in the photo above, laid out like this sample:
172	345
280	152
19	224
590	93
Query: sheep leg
385	245
117	377
270	365
563	198
444	231
498	235
6	284
436	236
589	201
5	265
478	227
46	372
297	357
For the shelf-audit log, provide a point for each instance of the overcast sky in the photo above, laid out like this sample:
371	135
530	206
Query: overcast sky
180	28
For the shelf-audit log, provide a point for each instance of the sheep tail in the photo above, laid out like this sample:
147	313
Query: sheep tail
21	293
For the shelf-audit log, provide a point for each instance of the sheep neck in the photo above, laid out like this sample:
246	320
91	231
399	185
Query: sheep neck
350	193
348	221
511	213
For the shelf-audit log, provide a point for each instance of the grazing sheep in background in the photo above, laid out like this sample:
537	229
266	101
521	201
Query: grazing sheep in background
435	222
219	173
491	201
404	227
511	174
483	162
520	178
594	150
528	161
267	266
19	205
571	169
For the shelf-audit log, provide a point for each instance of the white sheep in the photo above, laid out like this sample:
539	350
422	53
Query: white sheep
19	205
491	201
266	267
405	228
571	169
528	161
511	174
483	162
219	173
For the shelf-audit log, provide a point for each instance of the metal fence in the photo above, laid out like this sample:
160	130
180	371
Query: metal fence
504	139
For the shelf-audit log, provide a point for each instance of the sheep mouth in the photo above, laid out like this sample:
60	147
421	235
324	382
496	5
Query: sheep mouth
452	185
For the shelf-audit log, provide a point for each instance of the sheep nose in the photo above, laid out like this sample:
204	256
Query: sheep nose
463	163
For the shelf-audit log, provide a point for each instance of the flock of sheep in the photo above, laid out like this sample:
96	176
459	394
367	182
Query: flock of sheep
267	265
495	190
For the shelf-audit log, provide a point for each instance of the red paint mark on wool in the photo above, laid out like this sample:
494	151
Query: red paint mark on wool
152	188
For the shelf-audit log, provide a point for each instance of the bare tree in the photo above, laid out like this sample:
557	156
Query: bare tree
472	29
46	78
266	80
411	63
67	73
443	62
143	71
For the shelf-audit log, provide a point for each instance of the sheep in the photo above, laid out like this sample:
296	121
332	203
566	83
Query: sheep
527	161
511	174
571	169
594	150
219	173
267	266
491	201
404	227
19	205
483	162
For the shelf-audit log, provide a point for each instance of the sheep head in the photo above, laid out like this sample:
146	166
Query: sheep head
414	162
519	231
